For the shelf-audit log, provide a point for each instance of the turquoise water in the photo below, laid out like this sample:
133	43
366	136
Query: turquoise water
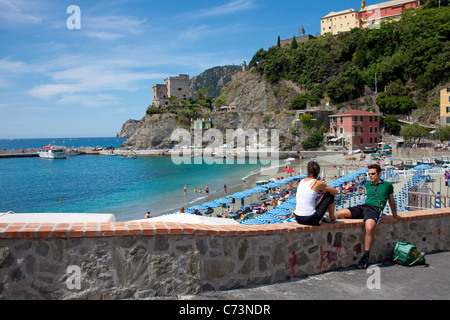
128	188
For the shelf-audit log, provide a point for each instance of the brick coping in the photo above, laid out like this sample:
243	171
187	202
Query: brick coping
143	228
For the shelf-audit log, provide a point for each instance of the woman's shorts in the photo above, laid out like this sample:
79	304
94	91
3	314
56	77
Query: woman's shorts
366	211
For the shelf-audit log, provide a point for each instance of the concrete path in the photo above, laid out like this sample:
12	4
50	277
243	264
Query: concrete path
424	282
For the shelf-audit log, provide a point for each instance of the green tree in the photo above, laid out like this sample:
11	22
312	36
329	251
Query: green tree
414	131
391	124
299	103
443	133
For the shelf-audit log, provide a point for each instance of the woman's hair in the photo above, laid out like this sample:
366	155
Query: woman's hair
313	169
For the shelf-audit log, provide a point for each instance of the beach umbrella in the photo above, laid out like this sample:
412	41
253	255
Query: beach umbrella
197	207
237	195
253	222
287	205
290	220
223	201
270	218
211	204
279	212
273	184
288	170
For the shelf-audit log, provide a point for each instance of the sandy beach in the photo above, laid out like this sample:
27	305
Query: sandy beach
332	166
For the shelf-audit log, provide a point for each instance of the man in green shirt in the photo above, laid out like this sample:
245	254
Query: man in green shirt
379	192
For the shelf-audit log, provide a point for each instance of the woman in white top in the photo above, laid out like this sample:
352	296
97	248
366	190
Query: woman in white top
307	211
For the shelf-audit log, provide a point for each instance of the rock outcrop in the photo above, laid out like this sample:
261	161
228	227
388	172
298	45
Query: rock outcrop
154	132
128	129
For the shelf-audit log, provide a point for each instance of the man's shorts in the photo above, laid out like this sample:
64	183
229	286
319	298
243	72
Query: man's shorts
366	211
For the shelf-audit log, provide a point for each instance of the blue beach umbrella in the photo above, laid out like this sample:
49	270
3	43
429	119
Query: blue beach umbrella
249	222
279	212
237	195
270	218
223	201
211	204
197	207
287	205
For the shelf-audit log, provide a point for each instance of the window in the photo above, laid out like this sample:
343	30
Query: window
448	119
370	118
376	140
361	118
376	118
356	118
370	130
448	109
362	140
448	89
342	119
362	129
370	140
342	129
376	130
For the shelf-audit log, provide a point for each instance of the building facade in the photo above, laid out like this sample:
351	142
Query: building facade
342	21
354	129
177	87
368	15
445	105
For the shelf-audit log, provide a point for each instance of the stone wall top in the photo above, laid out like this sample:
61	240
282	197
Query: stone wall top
143	228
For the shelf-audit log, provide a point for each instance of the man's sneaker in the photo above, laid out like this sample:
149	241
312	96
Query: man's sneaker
364	262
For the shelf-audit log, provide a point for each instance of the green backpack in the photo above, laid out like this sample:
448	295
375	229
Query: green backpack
407	254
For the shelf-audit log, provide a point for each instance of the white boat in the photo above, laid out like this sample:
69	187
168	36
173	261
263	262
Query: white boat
73	152
53	152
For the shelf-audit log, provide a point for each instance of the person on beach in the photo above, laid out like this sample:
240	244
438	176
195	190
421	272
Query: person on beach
307	210
378	193
207	189
185	189
147	215
225	188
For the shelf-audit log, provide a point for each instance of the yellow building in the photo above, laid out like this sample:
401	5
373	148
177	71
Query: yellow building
368	16
342	21
445	105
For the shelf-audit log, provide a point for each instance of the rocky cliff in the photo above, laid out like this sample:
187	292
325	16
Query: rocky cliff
248	91
259	105
128	129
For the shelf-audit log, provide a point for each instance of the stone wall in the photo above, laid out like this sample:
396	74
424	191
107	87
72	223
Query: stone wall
139	259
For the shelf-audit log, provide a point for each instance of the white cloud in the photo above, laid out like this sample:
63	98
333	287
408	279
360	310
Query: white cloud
90	84
111	27
231	7
19	12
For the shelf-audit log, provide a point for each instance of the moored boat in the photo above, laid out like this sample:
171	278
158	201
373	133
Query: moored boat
53	152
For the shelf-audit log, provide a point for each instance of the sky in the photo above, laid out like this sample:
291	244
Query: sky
83	71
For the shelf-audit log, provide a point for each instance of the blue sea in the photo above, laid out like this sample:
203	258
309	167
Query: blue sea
128	188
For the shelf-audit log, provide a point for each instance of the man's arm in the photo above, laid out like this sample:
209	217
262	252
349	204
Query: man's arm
391	202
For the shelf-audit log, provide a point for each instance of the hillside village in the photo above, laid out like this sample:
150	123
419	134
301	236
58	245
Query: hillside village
280	89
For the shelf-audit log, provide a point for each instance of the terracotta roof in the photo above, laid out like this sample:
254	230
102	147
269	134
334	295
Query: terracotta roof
355	113
386	4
